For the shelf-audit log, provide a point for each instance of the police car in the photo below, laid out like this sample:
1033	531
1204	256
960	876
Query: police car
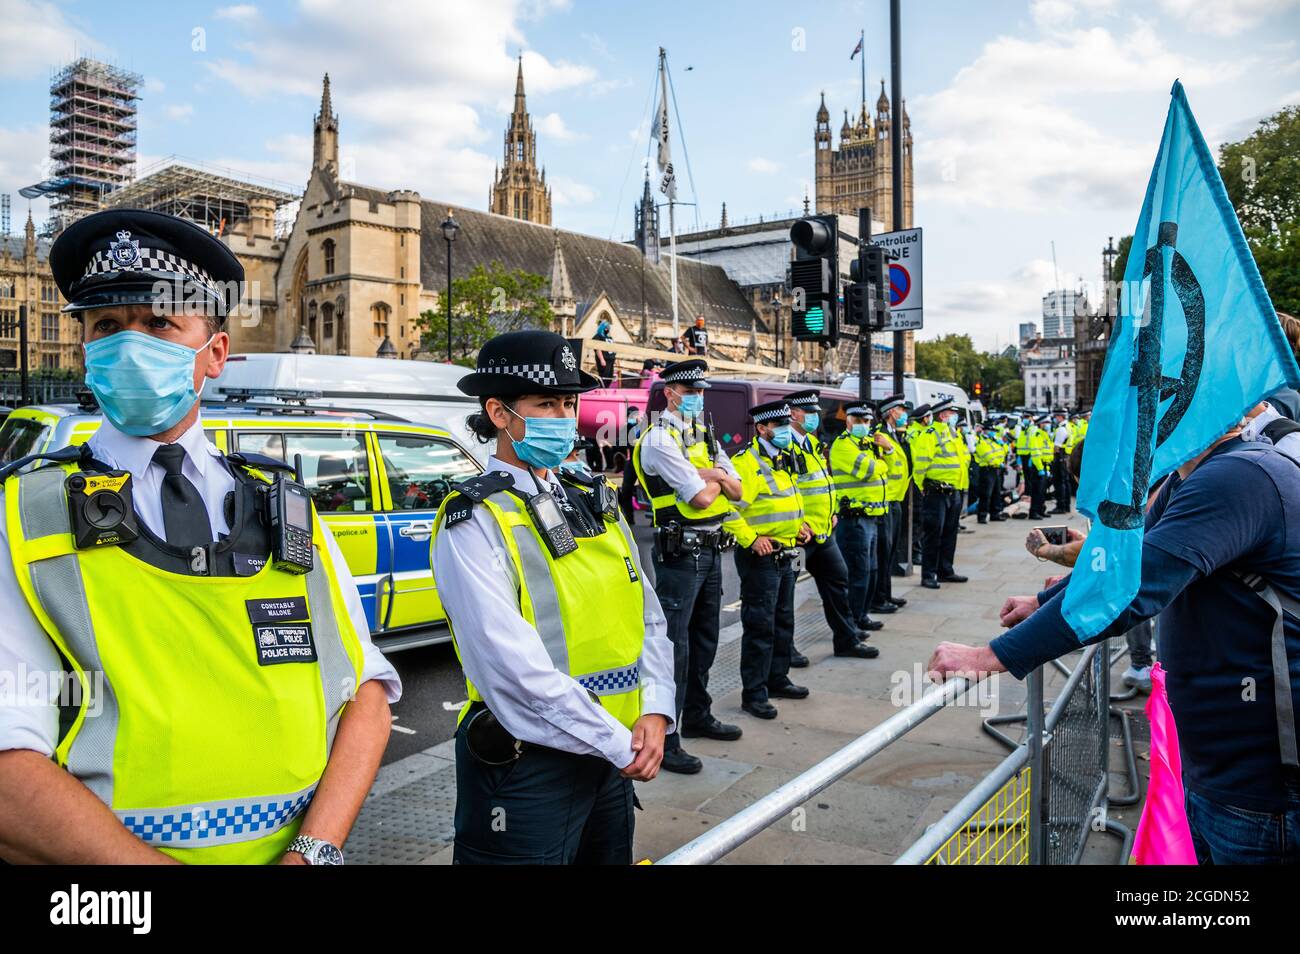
376	480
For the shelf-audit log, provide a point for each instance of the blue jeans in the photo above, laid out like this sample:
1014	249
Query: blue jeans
1227	835
856	537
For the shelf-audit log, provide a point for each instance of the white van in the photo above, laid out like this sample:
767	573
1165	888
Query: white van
918	391
423	392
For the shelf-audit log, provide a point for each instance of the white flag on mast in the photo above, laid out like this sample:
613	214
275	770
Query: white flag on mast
667	178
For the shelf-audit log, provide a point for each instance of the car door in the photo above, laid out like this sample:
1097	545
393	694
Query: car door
339	474
418	470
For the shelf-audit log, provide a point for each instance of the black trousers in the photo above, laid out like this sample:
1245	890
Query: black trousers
547	807
886	538
940	512
826	564
689	587
1037	485
1061	480
896	526
996	502
767	621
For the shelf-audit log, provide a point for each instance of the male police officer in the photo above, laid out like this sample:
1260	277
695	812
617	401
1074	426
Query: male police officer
769	525
1062	444
921	420
1040	466
898	476
230	711
939	467
691	485
821	553
859	470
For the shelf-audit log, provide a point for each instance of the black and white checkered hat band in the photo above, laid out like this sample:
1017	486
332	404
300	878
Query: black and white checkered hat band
149	260
860	410
805	402
690	374
537	373
772	414
890	405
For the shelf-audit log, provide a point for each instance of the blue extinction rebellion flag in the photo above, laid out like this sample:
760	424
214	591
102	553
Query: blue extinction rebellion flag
1196	344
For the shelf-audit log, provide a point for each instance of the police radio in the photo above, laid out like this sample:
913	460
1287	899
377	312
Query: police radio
100	509
290	519
550	522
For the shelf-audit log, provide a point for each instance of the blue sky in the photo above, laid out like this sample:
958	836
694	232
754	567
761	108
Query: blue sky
1034	120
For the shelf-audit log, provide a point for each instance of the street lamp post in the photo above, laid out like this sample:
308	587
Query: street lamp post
776	329
449	230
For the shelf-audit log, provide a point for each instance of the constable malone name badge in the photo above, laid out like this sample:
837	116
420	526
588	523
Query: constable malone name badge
284	644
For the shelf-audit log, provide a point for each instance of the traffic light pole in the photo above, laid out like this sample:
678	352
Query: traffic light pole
904	546
864	329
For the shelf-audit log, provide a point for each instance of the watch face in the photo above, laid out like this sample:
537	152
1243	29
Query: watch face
327	854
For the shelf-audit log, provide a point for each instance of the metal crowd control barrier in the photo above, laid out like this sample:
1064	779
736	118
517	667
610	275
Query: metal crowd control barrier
1038	806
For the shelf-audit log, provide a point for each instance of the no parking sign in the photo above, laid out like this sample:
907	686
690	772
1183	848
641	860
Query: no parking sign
903	249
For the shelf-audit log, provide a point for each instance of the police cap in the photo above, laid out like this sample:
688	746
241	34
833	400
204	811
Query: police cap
527	362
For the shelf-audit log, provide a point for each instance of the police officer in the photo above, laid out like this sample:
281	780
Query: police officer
939	466
988	457
822	554
859	470
223	710
768	528
1040	463
920	421
563	713
893	414
1062	444
691	485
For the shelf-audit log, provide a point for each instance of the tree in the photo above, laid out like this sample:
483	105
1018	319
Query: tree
954	358
489	301
1121	259
1262	176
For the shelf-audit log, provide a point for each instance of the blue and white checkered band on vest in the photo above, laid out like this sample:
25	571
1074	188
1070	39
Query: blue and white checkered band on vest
126	255
537	373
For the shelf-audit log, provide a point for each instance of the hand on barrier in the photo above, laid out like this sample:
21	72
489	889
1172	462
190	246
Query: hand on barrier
1017	609
647	747
955	659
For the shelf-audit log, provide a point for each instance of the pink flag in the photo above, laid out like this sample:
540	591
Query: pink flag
1163	837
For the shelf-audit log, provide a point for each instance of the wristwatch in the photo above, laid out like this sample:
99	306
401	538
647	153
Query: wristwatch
315	851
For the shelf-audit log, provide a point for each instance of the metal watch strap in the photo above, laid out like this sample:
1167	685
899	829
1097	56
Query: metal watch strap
305	845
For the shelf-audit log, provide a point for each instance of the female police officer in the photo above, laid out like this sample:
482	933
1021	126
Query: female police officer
567	665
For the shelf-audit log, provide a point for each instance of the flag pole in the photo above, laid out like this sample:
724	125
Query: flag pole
862	41
672	220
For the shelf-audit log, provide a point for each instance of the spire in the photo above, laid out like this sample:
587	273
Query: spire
846	129
520	108
882	104
561	287
724	216
805	201
326	106
823	116
325	133
29	246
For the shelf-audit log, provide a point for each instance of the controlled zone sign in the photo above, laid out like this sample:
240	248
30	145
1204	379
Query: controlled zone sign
903	250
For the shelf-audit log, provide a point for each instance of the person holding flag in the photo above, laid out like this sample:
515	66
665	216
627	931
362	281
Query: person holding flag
1196	349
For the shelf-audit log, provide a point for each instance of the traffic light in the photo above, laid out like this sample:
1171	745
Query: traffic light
866	300
815	279
979	388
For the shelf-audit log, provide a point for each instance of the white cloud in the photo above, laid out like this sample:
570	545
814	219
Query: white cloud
180	111
412	114
1225	17
36	36
761	165
552	126
566	191
240	13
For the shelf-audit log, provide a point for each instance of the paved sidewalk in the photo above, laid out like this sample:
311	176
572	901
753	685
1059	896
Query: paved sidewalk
871	815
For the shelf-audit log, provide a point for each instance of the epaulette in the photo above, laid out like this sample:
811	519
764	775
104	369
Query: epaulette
77	452
472	491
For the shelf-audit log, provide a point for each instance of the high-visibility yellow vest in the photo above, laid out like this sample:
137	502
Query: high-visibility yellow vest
816	489
913	429
1041	450
770	504
860	473
558	596
988	452
936	457
897	470
1022	441
664	502
965	455
196	724
1083	428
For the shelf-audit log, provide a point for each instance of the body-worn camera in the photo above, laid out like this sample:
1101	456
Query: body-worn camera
289	512
100	509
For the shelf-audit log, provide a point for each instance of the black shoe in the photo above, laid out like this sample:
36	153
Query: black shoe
1019	516
884	608
931	584
788	691
680	761
953	578
871	625
763	710
1001	516
713	729
860	651
1038	516
898	571
798	661
898	601
983	519
1060	511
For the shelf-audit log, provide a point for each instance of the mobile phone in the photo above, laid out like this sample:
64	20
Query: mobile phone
1058	535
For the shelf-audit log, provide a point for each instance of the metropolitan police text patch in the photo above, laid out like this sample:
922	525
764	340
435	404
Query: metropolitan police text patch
289	643
277	609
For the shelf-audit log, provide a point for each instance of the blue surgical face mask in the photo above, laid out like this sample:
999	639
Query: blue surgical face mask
859	430
902	421
692	405
782	436
811	422
547	440
575	467
144	385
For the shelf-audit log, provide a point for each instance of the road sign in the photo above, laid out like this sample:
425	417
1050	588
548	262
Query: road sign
905	301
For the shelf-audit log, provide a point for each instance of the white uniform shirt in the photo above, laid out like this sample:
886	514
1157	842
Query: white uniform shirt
27	719
663	457
1062	435
503	655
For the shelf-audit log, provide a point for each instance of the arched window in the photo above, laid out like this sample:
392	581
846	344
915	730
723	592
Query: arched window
519	150
327	321
311	320
379	313
327	247
341	346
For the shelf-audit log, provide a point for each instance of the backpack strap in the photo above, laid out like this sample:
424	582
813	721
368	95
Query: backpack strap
1276	430
1283	703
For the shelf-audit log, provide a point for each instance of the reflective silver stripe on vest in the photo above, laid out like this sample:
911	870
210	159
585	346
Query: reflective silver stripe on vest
225	822
770	477
815	491
782	517
547	619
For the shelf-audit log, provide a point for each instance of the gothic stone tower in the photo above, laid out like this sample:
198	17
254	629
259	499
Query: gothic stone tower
859	174
518	189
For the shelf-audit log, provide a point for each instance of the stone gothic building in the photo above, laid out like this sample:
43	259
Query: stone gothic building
859	174
518	189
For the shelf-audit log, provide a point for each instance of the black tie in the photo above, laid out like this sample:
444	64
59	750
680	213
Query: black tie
184	515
